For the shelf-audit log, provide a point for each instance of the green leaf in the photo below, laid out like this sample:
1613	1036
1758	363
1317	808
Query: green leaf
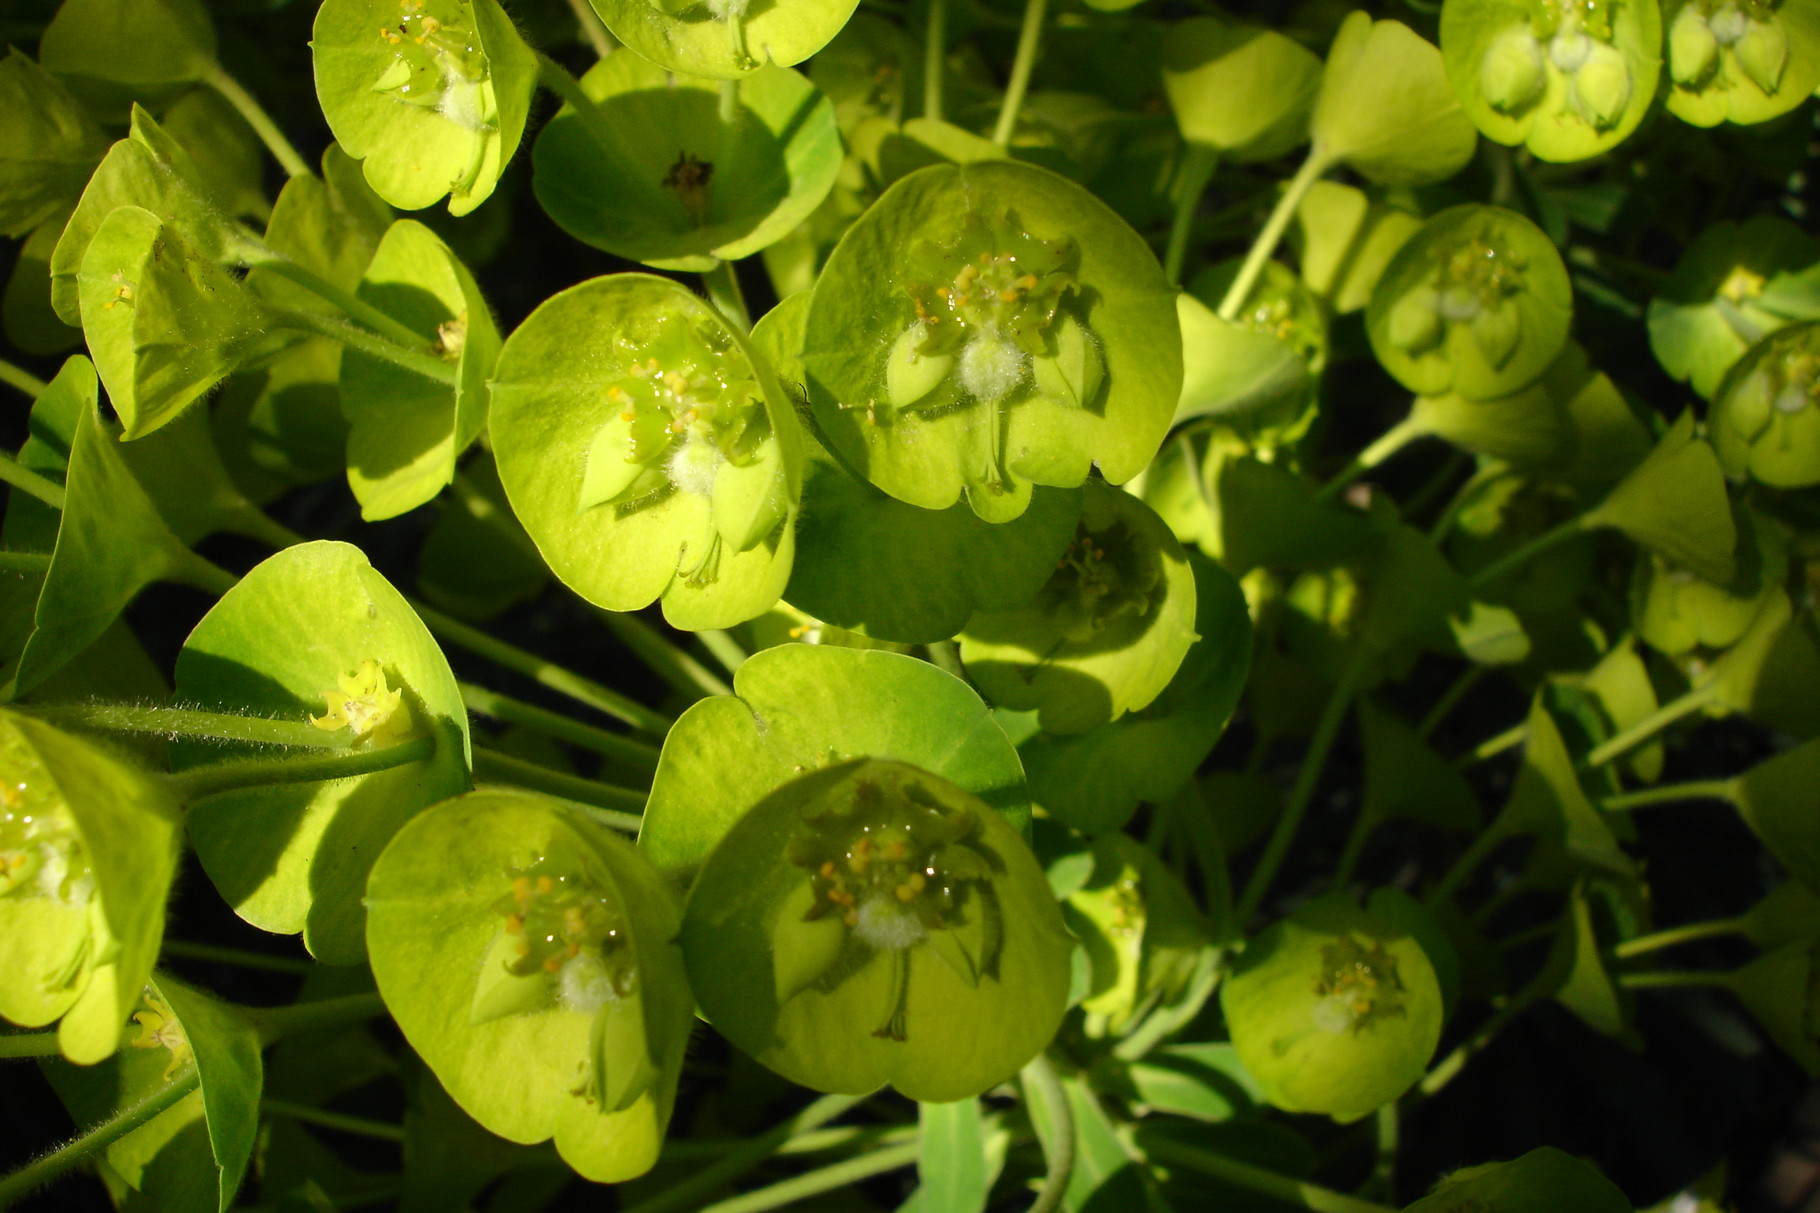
181	471
799	707
226	1048
1676	611
1106	633
1404	777
1585	986
295	857
30	321
164	324
90	845
405	431
1033	379
1385	109
656	172
952	1166
462	900
727	38
1735	284
1789	913
1566	83
1204	1082
48	146
1333	1010
477	561
1778	988
1140	928
1621	685
943	987
138	43
669	467
1243	90
921	142
1477	303
1542	1181
1241	375
229	159
1547	802
1756	66
1674	503
1344	238
432	101
147	169
1095	780
1775	800
111	543
1765	420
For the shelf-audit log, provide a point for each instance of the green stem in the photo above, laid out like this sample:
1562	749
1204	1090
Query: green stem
1486	474
689	1193
1383	1172
1388	443
1704	789
34	1175
496	767
22	379
725	650
559	80
1431	491
23	478
944	656
1491	747
1675	936
624	752
1039	1078
935	52
1443	1071
30	1044
359	1125
724	292
1672	980
1192	174
174	723
351	305
1629	739
1256	1179
218	777
665	659
352	336
1313	168
592	27
25	562
1356	838
1450	699
276	1023
1576	525
236	956
544	673
230	89
1325	733
1482	845
1029	39
1165	1021
825	1179
199	571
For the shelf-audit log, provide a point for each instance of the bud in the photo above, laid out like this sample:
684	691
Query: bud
1601	87
1415	321
1073	376
1512	74
1496	331
1763	52
910	374
1693	51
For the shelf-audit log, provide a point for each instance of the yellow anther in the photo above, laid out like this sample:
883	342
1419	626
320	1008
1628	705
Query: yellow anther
552	963
1028	282
515	924
827	869
895	849
904	891
1009	295
545	885
852	918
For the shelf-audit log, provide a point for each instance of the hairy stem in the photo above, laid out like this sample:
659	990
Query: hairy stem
1672	980
27	481
935	53
496	767
1450	699
1313	168
1629	739
722	283
592	27
219	777
185	950
22	379
623	752
1511	561
1029	40
35	1175
1679	935
231	90
349	304
826	1179
1705	789
30	1044
185	722
341	1121
1387	444
276	1023
412	358
1039	1080
664	657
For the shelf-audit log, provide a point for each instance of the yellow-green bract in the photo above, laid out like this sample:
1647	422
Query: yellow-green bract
724	39
869	923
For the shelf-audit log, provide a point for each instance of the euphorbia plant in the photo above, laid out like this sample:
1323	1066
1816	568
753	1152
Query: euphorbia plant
839	648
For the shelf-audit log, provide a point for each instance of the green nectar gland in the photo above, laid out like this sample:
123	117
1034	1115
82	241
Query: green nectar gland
375	714
437	62
987	305
1358	986
1571	39
159	1029
1704	32
1101	578
41	854
898	869
1471	284
685	416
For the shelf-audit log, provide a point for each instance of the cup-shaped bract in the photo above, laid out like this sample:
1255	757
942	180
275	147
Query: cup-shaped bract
316	631
1477	303
88	847
1677	611
430	95
1735	284
657	172
649	451
1258	373
1567	79
724	39
870	922
989	326
164	323
1334	1009
1742	61
405	430
1107	632
144	45
529	957
1344	238
1544	1180
1765	420
1385	109
1243	90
